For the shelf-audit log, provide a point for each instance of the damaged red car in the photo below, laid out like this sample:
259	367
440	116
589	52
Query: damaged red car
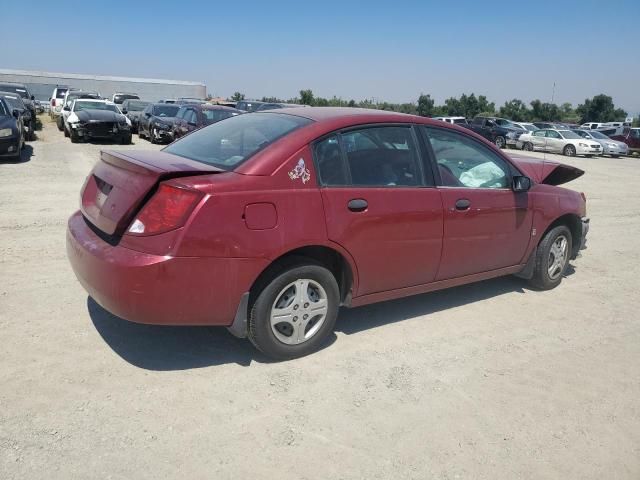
267	223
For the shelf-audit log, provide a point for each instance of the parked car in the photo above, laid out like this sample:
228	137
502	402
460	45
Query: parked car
591	125
493	129
11	132
611	147
189	100
566	142
267	223
67	103
156	122
120	97
192	117
454	120
29	101
167	100
15	103
249	105
57	101
629	136
133	109
97	119
513	136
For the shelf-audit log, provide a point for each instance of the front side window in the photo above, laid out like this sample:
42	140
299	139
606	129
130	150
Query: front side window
552	134
464	162
229	143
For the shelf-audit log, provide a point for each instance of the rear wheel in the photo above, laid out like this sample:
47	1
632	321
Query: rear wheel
569	151
552	258
295	311
500	141
528	147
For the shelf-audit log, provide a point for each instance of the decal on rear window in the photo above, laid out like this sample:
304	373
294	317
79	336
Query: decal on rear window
300	171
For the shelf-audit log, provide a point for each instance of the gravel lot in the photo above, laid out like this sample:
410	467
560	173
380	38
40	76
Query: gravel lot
491	380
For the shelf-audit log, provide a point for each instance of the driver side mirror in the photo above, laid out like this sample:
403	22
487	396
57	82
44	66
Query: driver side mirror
521	183
147	114
16	113
33	97
124	111
67	108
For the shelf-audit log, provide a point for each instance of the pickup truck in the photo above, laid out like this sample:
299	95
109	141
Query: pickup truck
493	129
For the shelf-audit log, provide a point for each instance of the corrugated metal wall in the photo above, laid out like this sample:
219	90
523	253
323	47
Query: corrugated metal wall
42	84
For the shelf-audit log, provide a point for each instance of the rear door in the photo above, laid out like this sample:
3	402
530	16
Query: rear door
555	142
487	226
381	205
539	139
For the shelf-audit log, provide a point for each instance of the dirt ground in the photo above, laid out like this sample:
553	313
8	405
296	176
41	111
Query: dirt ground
486	381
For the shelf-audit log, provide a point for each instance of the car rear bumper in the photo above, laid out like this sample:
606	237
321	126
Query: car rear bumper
157	289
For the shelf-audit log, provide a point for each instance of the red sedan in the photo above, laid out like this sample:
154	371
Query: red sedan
267	223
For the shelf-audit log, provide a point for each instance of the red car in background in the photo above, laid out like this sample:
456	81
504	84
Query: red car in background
194	117
267	223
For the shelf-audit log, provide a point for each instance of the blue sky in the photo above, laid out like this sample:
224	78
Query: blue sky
383	50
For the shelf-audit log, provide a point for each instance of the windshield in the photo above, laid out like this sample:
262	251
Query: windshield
136	106
95	106
13	101
227	143
123	96
599	135
14	89
568	134
3	110
165	110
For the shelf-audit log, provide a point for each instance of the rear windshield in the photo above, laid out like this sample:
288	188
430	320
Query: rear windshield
229	142
136	106
121	98
165	110
14	89
60	92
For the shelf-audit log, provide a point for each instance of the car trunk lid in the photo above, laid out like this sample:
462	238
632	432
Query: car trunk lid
549	173
120	183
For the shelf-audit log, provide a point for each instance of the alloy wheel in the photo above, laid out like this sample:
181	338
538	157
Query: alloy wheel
558	256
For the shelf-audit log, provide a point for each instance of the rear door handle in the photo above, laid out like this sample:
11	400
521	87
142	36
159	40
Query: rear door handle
463	204
357	205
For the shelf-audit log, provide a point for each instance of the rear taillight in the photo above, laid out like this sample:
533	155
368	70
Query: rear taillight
167	210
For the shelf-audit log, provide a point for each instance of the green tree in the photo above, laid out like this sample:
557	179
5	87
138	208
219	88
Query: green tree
515	110
306	97
237	96
547	112
426	105
600	109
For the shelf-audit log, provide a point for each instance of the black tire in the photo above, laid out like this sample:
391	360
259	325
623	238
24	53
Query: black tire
528	147
125	139
588	156
541	279
60	123
260	331
32	132
615	156
569	151
74	137
66	132
500	141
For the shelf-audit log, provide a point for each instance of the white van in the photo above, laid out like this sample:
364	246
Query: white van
56	100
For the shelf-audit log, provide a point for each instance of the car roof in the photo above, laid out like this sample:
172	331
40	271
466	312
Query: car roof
328	114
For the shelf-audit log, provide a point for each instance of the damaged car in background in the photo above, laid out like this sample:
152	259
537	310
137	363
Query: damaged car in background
133	109
156	122
267	223
98	119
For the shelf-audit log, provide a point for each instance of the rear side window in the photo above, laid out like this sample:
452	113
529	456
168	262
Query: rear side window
227	144
370	157
463	162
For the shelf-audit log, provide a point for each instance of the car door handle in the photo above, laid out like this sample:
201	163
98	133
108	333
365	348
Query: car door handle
357	205
463	204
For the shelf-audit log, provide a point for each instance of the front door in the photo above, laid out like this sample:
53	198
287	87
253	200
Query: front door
381	206
487	226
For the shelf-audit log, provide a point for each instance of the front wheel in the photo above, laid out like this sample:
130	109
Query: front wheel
500	142
569	151
295	311
552	258
74	137
60	123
